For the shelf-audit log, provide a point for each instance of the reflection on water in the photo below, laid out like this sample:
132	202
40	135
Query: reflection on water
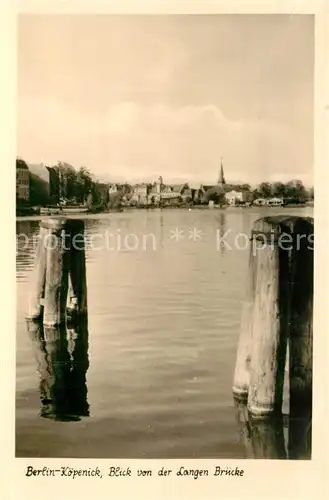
277	437
262	438
61	355
164	325
221	232
300	437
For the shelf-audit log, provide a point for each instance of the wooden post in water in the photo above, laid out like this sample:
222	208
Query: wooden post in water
281	287
60	264
270	320
57	268
301	320
77	299
242	366
35	307
301	341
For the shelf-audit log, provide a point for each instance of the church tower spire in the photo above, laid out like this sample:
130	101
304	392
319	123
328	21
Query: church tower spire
221	180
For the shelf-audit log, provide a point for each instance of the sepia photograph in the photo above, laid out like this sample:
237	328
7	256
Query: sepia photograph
165	236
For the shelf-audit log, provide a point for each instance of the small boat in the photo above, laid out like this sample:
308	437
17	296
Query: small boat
74	210
49	211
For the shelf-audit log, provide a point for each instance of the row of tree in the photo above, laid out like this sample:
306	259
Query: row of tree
77	186
293	191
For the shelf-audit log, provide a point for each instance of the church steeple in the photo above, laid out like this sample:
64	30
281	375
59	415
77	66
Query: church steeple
221	179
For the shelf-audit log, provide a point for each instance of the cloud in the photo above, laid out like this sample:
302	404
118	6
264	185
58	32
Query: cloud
122	118
132	140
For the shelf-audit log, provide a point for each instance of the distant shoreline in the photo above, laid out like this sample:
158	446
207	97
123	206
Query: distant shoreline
36	214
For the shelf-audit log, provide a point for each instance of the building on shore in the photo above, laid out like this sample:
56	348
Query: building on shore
44	184
169	194
234	197
140	193
148	194
158	192
22	181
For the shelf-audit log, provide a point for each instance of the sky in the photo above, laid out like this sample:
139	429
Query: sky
136	97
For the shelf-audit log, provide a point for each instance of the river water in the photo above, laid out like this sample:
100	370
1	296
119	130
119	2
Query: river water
154	371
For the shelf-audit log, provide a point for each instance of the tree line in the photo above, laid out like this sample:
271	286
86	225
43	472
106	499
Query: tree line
293	191
79	186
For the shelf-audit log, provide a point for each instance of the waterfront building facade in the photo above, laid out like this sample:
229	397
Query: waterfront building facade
234	197
140	193
22	180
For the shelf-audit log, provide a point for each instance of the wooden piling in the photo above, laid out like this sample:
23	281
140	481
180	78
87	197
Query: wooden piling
35	307
301	321
60	268
243	358
77	298
270	319
281	289
301	339
57	268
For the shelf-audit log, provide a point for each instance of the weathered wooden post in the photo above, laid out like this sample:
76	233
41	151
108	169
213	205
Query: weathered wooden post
301	340
35	307
62	365
270	319
281	284
242	366
301	319
60	265
57	268
77	299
